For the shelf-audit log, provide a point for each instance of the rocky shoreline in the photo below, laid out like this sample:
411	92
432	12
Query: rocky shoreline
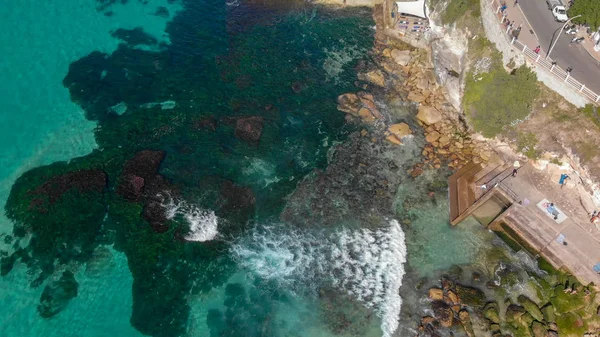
560	305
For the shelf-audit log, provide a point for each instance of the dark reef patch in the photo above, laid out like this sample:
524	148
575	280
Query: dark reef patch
135	37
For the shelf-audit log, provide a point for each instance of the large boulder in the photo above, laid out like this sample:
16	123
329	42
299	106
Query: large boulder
249	129
402	57
398	132
428	115
57	294
436	294
531	307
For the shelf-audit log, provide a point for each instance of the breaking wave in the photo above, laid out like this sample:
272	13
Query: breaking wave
366	264
203	224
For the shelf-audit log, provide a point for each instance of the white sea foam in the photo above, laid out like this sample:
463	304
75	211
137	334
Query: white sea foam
368	265
203	223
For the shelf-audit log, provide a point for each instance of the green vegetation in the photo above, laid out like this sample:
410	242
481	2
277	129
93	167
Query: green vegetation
494	99
526	143
589	11
457	8
509	241
591	112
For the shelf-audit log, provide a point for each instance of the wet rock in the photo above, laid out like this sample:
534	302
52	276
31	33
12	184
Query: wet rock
366	115
470	296
444	141
349	103
427	320
428	115
451	298
475	276
374	77
57	294
531	307
494	327
443	313
249	129
549	313
402	57
154	213
398	131
436	294
465	320
552	333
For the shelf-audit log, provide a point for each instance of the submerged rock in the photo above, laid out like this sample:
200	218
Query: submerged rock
470	296
57	294
138	172
398	132
249	129
491	312
374	77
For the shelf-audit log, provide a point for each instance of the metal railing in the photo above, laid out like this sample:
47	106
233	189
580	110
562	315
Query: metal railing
541	61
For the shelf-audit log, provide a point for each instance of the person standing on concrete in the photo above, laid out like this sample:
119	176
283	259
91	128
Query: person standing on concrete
516	3
562	180
537	50
503	7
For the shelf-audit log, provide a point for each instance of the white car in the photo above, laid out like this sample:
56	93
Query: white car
560	13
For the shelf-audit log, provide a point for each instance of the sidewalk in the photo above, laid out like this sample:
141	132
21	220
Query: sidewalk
514	14
583	249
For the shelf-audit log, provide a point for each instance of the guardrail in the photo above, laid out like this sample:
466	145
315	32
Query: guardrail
546	63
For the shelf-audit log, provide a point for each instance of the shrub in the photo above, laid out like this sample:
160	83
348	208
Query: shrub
496	99
457	8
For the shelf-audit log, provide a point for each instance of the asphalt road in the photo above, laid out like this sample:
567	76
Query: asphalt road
585	68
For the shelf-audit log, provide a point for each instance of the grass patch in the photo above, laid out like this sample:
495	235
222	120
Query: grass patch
494	98
590	111
555	161
586	151
526	143
458	8
544	265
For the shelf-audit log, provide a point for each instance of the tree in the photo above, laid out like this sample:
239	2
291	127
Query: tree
589	11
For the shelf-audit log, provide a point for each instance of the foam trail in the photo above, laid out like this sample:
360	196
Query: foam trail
366	264
203	224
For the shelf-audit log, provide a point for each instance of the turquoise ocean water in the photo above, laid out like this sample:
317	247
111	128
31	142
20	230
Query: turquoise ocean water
264	225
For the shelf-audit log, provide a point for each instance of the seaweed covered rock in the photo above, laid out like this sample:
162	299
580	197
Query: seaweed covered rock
513	313
471	296
531	307
57	294
249	129
62	211
538	329
138	174
491	312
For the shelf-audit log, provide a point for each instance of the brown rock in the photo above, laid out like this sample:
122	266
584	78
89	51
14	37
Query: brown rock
349	103
452	298
374	77
444	141
432	136
366	115
443	313
436	294
417	171
400	130
416	97
402	57
428	115
392	139
465	320
427	320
